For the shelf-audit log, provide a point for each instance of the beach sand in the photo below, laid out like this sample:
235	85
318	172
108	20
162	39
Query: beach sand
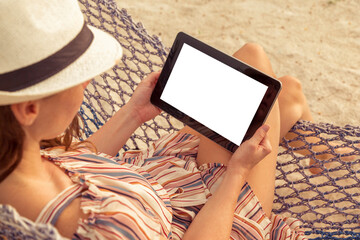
317	42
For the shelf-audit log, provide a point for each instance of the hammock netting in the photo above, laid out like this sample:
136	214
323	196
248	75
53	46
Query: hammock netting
318	171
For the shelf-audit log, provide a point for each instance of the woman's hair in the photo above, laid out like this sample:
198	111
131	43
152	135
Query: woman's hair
12	140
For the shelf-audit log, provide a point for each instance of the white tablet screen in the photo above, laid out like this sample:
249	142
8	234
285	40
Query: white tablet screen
214	94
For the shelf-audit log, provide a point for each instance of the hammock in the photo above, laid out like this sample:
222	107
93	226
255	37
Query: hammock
324	196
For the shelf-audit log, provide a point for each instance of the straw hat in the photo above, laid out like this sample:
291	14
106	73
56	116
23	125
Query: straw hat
45	48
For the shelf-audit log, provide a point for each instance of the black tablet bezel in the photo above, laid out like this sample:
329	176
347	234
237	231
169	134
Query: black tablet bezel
274	87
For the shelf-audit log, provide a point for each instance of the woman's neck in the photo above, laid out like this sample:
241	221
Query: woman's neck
31	164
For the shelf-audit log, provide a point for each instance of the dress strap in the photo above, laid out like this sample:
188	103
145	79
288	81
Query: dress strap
51	212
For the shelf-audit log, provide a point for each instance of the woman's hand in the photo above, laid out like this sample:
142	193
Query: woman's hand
140	104
125	121
250	152
214	221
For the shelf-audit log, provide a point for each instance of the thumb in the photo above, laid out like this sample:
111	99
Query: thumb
260	134
152	78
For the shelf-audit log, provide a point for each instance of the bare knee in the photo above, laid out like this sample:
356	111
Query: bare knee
254	55
252	49
291	86
291	82
292	95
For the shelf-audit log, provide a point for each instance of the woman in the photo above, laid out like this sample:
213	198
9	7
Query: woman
184	186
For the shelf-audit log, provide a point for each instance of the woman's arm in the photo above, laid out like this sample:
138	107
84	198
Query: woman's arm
214	221
113	135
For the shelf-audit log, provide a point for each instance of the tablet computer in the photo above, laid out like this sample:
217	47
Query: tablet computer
217	95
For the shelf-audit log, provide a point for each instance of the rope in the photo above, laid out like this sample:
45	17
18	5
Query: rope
324	195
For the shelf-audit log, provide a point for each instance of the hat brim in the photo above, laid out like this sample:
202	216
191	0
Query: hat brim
101	55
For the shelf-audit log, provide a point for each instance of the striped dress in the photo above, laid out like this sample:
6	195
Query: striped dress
155	192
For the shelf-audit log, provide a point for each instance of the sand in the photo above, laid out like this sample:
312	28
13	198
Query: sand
317	42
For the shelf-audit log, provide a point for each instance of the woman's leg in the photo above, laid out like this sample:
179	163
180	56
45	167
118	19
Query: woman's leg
299	106
292	102
262	177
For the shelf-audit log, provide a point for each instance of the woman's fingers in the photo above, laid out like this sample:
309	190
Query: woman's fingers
252	151
260	134
151	79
